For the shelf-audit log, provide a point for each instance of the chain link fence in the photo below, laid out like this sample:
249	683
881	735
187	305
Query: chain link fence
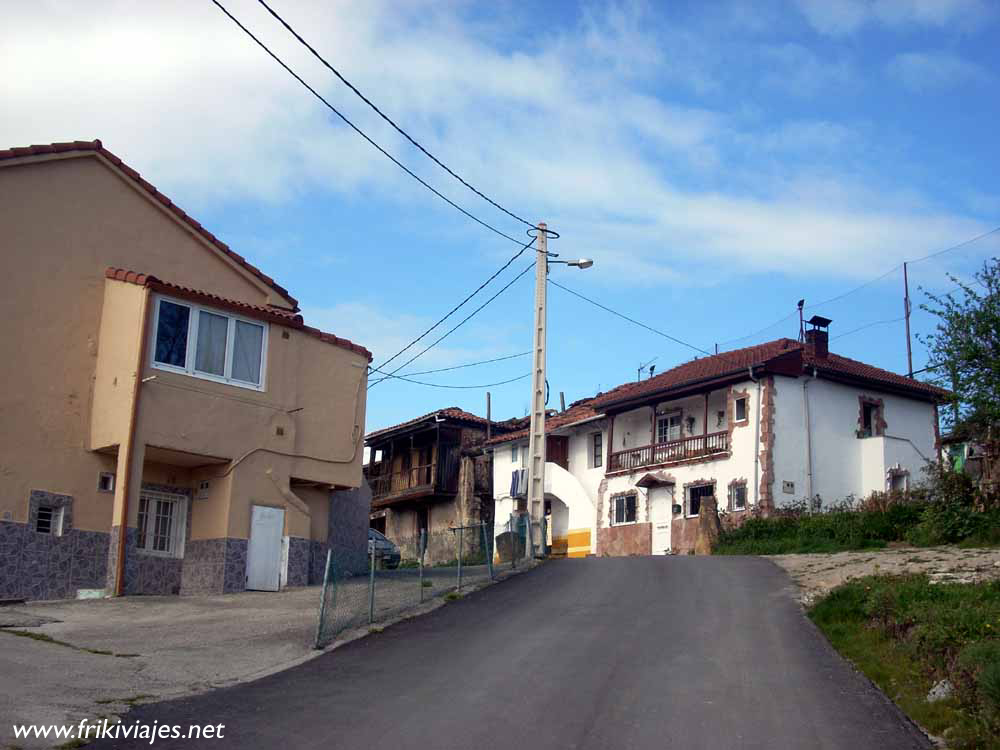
349	602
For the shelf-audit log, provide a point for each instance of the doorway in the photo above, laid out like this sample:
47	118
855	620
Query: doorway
264	549
661	501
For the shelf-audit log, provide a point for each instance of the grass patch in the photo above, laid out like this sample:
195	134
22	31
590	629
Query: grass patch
452	596
73	743
137	698
427	584
906	634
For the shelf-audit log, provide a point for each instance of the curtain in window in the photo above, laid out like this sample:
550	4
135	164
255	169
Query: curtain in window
172	334
211	356
247	346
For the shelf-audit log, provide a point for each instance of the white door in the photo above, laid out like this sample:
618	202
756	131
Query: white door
661	501
264	550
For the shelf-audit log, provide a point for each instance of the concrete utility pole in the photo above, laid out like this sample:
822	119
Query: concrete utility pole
906	312
536	437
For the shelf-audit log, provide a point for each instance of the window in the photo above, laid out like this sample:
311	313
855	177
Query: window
740	409
668	427
48	520
209	344
597	450
162	521
695	496
738	496
871	419
623	508
899	480
513	454
106	482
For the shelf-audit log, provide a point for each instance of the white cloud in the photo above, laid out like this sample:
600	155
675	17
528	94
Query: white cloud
638	181
924	71
839	17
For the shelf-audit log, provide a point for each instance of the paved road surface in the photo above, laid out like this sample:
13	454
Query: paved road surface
616	653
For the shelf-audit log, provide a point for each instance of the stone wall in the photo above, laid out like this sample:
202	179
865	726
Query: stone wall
46	566
348	538
628	539
214	566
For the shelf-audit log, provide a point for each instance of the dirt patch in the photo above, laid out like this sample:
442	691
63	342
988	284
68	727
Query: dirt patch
816	574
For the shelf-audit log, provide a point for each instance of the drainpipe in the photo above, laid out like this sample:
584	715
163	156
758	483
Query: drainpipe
756	444
808	426
133	420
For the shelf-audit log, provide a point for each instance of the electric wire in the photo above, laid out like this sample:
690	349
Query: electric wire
453	310
459	387
385	117
630	320
358	130
868	325
459	367
454	328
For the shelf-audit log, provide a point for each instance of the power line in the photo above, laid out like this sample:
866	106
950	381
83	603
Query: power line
984	235
388	119
358	130
459	387
454	328
868	325
459	367
451	312
630	320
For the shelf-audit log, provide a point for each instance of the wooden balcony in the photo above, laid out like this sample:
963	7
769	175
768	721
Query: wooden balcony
659	454
436	478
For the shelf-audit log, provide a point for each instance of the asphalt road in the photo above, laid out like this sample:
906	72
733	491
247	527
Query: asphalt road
664	652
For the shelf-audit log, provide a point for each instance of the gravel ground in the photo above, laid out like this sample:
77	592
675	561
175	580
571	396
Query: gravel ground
818	573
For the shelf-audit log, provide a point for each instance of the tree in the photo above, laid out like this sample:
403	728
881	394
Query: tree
965	348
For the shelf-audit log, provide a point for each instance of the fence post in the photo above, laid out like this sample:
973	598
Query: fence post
371	583
487	551
460	530
322	600
420	558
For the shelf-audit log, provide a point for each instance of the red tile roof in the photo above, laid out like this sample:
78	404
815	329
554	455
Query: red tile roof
739	360
96	147
272	314
577	412
450	412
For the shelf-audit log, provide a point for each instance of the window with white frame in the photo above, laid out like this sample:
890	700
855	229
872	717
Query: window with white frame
695	495
596	450
209	344
162	522
624	508
48	520
738	496
513	454
668	427
740	409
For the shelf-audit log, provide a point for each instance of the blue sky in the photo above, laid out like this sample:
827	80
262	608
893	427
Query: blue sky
719	161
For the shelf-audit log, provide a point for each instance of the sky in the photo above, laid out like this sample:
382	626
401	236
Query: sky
718	161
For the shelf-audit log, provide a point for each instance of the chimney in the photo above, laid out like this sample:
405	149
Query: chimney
817	336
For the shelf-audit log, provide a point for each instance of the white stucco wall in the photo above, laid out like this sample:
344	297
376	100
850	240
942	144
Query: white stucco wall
842	463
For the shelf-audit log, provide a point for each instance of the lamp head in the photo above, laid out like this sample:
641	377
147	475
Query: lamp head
581	263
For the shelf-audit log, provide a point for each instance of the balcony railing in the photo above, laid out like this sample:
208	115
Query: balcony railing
696	446
414	479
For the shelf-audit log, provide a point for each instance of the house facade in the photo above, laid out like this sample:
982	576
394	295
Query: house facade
431	475
754	429
171	425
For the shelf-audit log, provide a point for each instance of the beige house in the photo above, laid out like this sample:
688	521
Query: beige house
158	384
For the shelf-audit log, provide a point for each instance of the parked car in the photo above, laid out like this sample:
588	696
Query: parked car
385	550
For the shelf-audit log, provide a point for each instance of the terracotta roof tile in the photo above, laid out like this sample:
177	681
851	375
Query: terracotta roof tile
272	314
577	412
97	148
732	362
450	412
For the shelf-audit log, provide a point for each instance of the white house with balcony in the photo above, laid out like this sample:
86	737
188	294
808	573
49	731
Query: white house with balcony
764	426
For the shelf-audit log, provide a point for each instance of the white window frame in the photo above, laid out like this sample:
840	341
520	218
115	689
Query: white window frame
622	497
192	344
178	530
733	488
56	522
514	452
665	418
746	409
687	498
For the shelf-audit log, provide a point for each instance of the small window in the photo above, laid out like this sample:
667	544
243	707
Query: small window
899	481
738	496
48	520
696	495
597	449
623	509
106	482
161	523
741	409
668	428
513	454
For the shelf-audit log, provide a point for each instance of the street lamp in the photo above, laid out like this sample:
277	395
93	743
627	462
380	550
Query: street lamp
536	438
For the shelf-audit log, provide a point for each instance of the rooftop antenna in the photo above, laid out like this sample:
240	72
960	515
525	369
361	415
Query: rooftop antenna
802	325
652	369
643	366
